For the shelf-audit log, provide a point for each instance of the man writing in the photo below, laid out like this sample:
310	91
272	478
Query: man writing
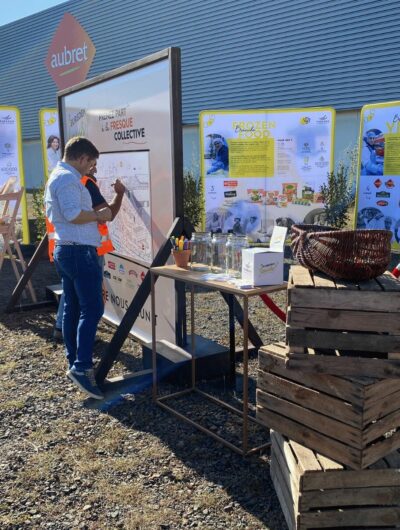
98	202
69	208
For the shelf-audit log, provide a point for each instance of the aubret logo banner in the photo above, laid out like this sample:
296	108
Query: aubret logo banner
71	53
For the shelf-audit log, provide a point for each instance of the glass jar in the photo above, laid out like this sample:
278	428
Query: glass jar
218	252
234	246
200	246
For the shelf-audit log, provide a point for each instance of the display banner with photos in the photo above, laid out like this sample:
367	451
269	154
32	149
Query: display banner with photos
262	168
12	176
378	184
50	138
128	115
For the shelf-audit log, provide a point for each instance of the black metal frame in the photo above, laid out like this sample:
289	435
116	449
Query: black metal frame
123	329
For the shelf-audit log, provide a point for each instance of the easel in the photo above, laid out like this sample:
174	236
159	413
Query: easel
8	217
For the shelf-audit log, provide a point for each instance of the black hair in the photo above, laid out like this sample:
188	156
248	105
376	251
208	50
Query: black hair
50	140
79	146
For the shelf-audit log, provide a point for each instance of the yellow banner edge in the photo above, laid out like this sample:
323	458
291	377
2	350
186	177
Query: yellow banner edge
24	204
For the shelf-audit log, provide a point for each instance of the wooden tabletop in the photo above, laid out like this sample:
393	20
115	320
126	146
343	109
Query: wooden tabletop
189	276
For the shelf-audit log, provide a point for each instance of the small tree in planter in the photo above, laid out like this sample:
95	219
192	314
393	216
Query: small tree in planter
40	216
337	197
193	204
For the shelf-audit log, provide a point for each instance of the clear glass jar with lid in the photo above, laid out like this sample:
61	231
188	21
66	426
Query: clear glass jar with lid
234	246
218	253
200	246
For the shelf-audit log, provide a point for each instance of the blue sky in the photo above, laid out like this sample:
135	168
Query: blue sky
16	9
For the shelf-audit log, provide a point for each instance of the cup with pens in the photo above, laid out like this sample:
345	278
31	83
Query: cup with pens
180	251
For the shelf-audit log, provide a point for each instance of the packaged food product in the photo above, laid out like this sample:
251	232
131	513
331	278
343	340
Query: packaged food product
290	190
271	198
256	195
307	193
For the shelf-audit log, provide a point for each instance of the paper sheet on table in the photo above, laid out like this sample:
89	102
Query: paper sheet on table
217	277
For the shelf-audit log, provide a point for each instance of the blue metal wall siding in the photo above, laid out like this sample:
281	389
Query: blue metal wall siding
235	54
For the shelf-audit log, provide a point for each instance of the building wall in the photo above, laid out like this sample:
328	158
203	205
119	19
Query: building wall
346	133
242	54
33	164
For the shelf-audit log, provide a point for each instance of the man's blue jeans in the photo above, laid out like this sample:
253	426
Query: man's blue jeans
81	275
60	310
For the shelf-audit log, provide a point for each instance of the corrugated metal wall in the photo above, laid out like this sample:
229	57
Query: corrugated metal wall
235	54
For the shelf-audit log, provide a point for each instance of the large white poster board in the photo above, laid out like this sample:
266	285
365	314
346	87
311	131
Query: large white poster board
11	160
264	167
128	115
378	186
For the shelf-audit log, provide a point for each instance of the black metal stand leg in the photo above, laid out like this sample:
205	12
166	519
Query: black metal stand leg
192	332
232	342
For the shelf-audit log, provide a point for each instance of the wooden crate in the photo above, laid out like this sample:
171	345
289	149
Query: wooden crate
340	315
344	363
316	492
354	421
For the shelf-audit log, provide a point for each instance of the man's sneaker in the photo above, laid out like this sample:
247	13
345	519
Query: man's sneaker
57	334
86	382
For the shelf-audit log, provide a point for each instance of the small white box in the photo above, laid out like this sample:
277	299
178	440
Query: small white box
264	266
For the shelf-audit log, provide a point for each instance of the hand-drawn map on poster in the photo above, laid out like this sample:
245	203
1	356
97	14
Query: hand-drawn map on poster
131	229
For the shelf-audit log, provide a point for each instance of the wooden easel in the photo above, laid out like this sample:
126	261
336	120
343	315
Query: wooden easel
8	217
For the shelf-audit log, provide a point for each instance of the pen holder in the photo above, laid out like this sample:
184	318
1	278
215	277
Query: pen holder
181	258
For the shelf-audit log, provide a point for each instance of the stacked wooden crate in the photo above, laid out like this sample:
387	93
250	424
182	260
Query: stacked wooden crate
317	492
335	389
343	316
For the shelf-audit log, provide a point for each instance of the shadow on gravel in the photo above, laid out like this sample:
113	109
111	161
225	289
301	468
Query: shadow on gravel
246	480
44	275
42	327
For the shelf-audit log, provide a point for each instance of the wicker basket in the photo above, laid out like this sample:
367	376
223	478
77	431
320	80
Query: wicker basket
343	254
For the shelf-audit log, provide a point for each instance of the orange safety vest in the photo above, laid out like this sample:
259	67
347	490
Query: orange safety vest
105	244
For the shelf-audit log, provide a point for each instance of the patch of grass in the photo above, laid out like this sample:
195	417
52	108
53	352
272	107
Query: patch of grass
150	517
111	440
6	386
13	404
12	521
49	394
41	436
89	468
38	467
7	368
123	493
124	464
210	499
153	451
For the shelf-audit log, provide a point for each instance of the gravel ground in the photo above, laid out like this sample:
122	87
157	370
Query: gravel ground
66	463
